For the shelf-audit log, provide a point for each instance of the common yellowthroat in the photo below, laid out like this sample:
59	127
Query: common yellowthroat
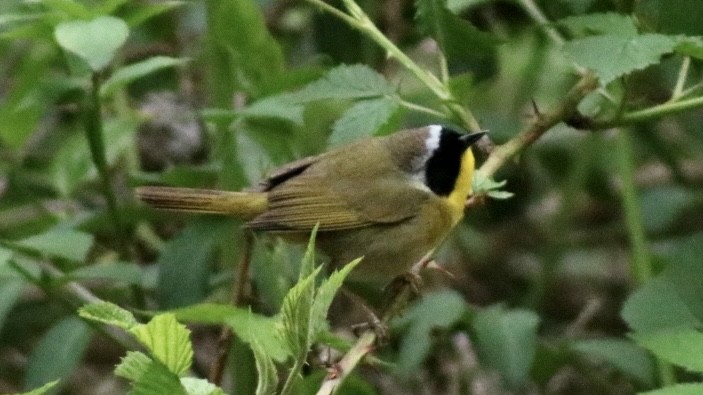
390	199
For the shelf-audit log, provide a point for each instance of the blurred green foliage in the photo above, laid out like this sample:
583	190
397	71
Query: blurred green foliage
587	280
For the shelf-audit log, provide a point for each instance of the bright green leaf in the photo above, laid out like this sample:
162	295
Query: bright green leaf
62	243
436	310
678	389
250	327
158	380
133	366
680	346
96	41
344	82
70	8
307	265
364	119
127	74
267	381
295	314
611	56
168	341
195	386
274	107
58	352
324	296
500	333
108	313
623	354
596	24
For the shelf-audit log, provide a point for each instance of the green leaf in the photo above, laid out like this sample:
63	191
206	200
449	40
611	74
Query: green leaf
596	24
678	389
680	346
70	8
195	386
58	352
184	263
499	334
436	310
108	313
146	11
127	74
158	380
671	16
488	186
307	265
624	355
61	243
324	296
295	315
243	54
250	327
611	56
133	366
674	298
344	82
274	107
129	273
168	341
363	119
41	390
10	292
96	42
458	38
267	382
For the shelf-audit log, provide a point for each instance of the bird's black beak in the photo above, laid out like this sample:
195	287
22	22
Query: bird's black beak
469	139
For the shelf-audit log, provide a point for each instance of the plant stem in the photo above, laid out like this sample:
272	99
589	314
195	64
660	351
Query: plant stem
681	79
543	122
641	262
358	19
94	133
419	108
648	114
292	375
537	15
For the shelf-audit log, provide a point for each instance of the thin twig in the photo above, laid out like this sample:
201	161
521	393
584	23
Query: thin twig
535	13
681	79
224	343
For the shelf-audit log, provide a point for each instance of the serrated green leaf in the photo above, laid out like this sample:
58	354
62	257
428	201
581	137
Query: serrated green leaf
611	56
458	38
500	195
108	313
678	389
344	82
596	24
62	243
127	74
168	341
43	389
324	296
680	346
499	333
248	326
623	354
58	352
158	380
96	41
267	381
133	366
436	310
308	263
195	386
363	119
295	315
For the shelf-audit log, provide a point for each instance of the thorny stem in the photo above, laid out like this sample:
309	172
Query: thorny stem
647	114
543	122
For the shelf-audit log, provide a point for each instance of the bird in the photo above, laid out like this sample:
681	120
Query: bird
390	199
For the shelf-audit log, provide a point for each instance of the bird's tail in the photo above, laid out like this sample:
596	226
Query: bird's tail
241	204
